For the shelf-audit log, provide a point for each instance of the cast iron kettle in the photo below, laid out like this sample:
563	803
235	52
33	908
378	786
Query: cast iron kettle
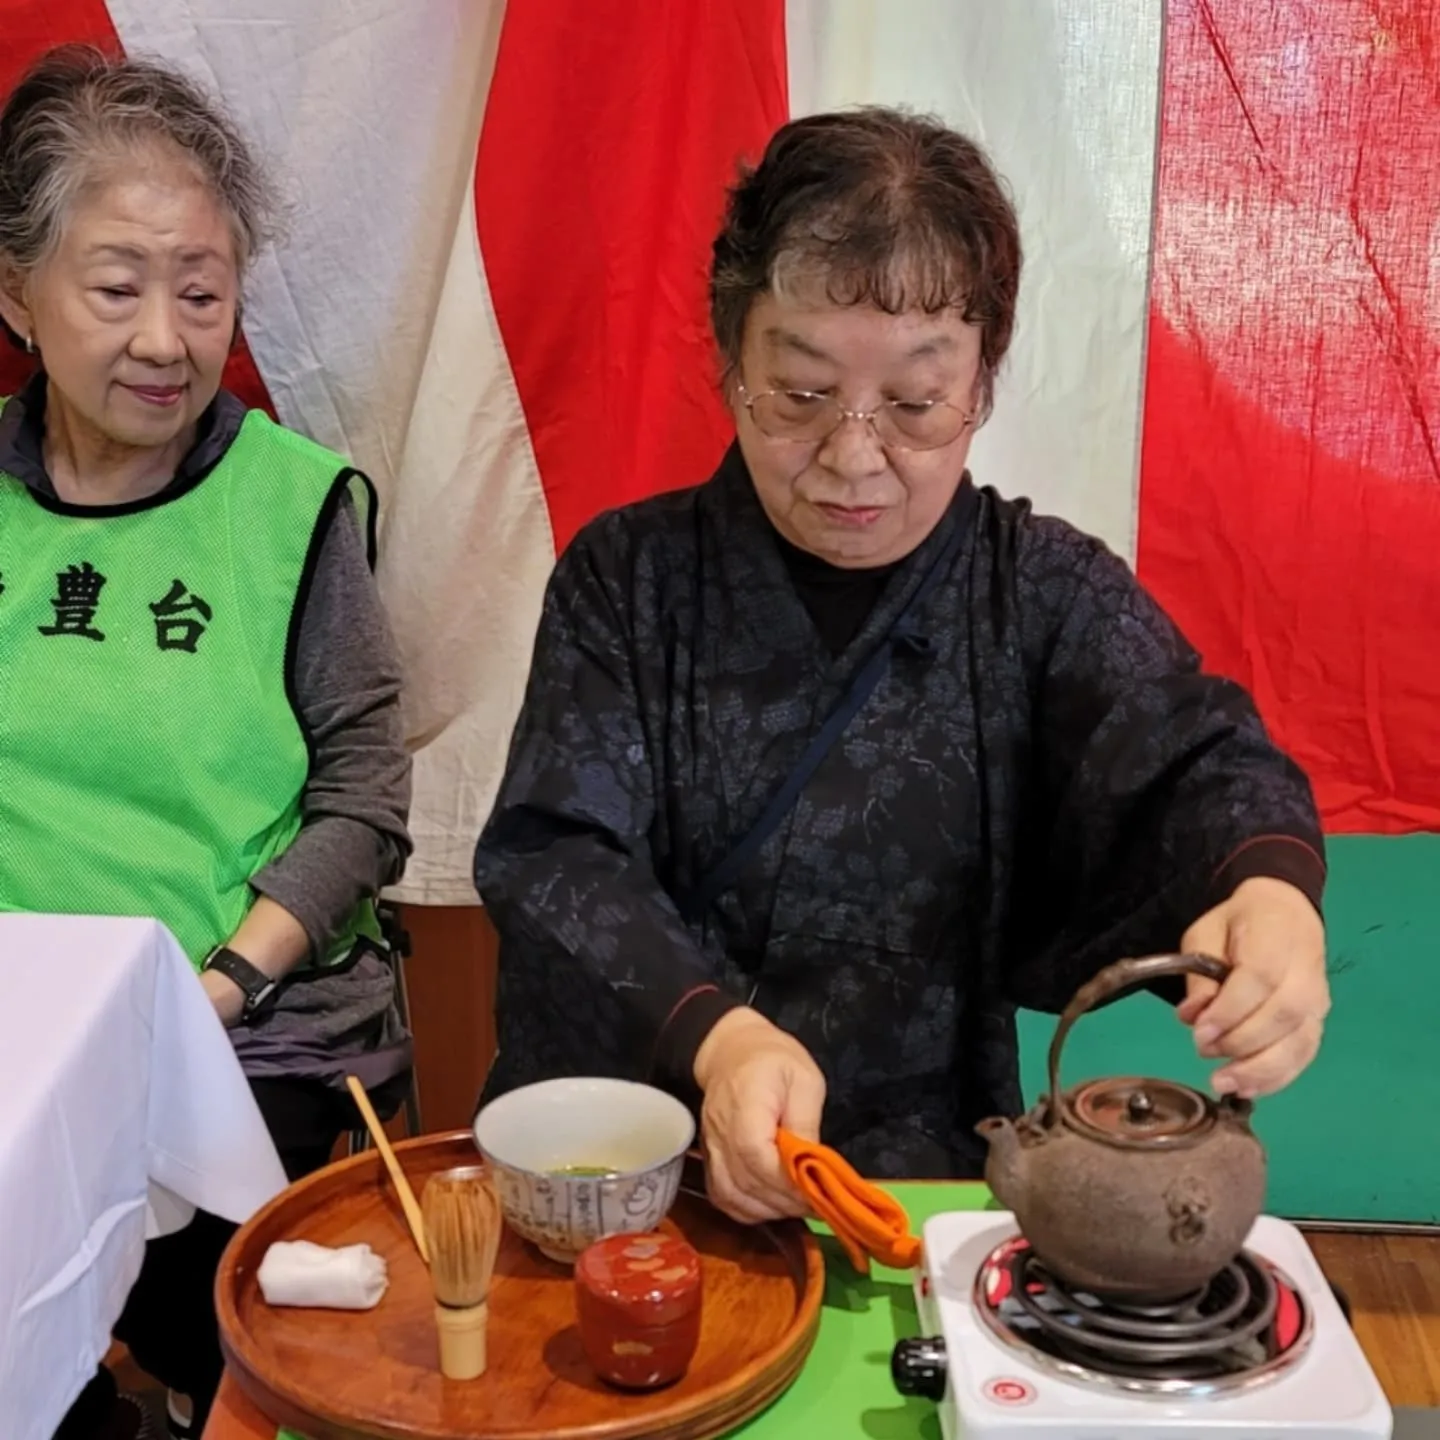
1135	1191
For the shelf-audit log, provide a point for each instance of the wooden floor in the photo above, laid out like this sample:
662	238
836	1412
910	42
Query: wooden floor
1393	1282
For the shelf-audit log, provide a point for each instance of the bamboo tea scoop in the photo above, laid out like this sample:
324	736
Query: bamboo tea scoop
463	1225
382	1144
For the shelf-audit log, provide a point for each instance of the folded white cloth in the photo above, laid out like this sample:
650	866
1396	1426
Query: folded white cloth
299	1272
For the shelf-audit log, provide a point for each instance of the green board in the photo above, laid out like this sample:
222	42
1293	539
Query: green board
1355	1138
845	1390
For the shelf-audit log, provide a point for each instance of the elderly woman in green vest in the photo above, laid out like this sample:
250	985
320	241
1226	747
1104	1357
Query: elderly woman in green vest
201	717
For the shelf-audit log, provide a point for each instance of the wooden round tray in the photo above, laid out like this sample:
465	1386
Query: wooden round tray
344	1375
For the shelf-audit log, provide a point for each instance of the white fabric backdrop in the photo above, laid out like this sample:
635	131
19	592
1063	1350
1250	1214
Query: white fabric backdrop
1064	94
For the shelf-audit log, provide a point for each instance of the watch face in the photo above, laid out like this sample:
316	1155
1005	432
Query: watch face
255	999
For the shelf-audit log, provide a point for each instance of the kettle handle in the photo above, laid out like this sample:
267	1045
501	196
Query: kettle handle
1114	980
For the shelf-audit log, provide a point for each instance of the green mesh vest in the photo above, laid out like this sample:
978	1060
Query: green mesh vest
151	758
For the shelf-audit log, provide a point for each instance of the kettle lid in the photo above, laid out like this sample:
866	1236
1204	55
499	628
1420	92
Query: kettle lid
1135	1113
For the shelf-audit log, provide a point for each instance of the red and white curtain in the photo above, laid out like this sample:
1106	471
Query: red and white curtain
490	293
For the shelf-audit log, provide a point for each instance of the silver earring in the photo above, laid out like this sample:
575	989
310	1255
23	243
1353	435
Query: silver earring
29	344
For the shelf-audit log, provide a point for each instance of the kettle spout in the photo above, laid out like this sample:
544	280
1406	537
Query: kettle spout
1004	1163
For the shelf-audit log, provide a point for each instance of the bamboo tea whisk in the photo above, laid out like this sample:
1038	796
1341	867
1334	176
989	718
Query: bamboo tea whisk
463	1225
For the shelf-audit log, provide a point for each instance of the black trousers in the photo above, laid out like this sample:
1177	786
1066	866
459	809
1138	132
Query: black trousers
169	1323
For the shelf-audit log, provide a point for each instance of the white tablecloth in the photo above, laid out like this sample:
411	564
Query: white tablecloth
122	1107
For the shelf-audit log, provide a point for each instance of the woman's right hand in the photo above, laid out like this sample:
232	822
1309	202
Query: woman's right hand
756	1080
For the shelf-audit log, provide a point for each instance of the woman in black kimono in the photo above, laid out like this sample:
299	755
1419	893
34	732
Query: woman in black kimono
827	765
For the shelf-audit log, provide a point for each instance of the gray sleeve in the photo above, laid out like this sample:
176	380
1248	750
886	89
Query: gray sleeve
353	839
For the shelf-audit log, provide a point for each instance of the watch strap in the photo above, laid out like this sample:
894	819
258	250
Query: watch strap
260	989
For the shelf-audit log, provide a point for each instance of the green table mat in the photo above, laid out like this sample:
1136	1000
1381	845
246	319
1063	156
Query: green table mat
844	1391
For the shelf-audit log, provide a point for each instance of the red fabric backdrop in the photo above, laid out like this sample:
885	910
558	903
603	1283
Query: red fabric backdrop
1290	482
596	216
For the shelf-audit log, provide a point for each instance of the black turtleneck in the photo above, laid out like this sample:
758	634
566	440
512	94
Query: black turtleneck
839	600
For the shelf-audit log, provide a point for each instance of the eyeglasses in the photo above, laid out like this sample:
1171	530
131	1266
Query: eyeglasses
808	418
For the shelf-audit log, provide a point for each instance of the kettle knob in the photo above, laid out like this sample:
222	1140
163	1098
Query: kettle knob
919	1367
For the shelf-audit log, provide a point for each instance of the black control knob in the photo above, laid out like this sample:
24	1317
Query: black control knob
918	1367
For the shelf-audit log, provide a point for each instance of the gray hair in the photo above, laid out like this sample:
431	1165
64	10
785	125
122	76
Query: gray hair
78	109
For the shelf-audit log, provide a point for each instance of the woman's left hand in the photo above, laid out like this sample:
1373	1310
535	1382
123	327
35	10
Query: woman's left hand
1268	1016
225	995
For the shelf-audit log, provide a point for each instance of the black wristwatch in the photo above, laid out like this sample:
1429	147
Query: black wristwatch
261	992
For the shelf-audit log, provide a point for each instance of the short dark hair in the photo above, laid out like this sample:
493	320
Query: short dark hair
886	208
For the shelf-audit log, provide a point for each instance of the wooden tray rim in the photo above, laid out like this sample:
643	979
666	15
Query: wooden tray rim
712	1412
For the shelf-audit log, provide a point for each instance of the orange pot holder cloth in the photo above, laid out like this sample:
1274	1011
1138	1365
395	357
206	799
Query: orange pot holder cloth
868	1223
